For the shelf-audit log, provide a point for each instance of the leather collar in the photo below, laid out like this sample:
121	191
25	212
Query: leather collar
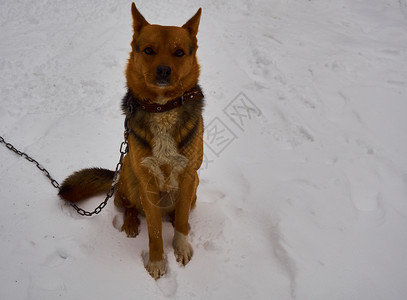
192	94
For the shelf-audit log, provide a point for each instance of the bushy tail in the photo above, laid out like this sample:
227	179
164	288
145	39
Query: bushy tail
86	183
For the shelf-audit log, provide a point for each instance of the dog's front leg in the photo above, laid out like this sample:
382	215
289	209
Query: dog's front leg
150	198
182	248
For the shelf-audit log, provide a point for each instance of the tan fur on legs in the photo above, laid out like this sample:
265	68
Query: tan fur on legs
182	248
150	201
166	148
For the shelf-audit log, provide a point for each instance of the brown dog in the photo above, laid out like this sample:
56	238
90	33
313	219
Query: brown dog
163	107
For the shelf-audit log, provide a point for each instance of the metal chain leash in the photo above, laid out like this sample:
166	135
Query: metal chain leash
54	183
124	147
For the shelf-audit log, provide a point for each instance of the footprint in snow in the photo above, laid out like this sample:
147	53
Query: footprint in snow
167	284
56	258
118	221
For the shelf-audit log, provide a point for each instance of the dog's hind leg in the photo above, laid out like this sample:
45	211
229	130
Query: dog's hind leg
131	222
127	197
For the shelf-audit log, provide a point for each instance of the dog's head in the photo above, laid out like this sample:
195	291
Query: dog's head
162	63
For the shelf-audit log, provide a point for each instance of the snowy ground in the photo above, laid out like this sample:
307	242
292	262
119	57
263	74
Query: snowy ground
303	191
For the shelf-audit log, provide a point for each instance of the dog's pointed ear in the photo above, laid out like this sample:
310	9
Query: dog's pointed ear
193	23
138	20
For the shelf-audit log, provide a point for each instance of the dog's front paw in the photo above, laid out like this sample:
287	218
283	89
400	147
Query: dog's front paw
182	248
156	268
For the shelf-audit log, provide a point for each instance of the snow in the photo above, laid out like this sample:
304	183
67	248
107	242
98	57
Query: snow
304	186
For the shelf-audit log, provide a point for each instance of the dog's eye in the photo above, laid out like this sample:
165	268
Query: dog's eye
179	53
149	51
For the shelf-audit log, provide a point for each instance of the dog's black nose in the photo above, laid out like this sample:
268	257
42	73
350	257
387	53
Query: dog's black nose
163	72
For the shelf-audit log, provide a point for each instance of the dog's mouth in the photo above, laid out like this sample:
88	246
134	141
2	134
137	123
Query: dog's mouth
162	83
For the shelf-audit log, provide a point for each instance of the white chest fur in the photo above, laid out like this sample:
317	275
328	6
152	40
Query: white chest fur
165	150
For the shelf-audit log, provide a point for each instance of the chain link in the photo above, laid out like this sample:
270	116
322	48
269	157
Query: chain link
112	188
124	148
9	146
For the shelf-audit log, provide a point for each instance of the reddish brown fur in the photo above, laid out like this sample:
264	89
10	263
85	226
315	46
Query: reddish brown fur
139	189
165	40
86	183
